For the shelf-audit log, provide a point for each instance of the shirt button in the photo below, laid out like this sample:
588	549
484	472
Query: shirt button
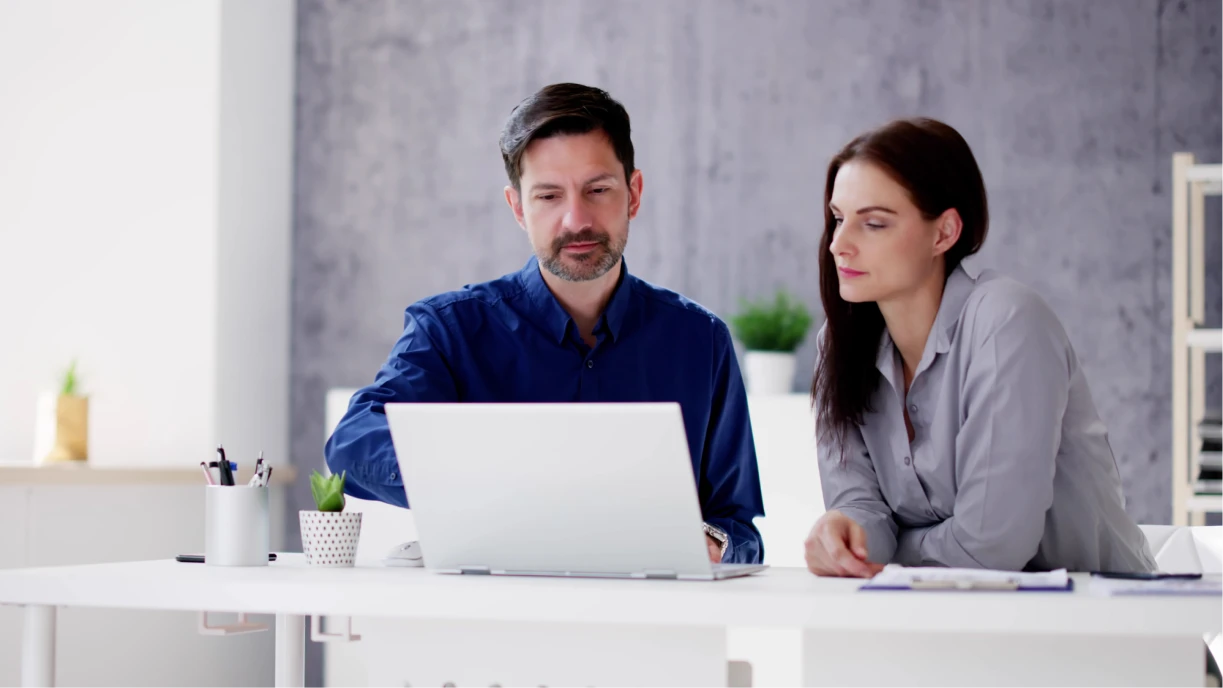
912	408
907	461
590	363
394	475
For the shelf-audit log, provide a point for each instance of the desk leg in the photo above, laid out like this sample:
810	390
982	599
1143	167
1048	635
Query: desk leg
38	646
290	650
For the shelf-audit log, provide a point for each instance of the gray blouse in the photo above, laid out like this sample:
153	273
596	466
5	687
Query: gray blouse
1010	466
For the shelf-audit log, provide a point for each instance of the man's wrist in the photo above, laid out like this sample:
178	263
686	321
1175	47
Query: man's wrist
719	536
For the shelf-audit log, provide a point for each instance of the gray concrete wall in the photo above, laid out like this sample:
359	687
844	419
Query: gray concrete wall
1073	109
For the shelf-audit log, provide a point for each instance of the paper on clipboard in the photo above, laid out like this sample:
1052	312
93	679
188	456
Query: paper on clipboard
897	577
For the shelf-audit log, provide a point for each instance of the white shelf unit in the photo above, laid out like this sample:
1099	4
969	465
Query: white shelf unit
1191	183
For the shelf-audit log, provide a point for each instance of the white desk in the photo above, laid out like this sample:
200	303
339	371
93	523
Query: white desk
1171	628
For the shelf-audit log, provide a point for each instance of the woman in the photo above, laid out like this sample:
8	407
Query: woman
956	426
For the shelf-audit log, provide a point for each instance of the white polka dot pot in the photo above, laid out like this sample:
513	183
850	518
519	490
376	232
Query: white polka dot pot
329	538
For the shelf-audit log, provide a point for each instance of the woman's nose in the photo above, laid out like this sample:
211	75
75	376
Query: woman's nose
840	245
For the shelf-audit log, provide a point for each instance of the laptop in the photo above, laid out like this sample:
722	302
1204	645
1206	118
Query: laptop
581	490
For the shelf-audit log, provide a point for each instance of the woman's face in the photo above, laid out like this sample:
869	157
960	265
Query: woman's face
883	248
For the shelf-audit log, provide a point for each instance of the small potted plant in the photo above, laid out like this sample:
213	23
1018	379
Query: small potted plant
771	332
329	535
71	421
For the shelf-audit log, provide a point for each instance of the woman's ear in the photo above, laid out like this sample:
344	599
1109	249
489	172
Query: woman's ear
948	227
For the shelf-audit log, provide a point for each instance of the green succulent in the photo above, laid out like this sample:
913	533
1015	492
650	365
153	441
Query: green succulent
328	491
69	384
778	326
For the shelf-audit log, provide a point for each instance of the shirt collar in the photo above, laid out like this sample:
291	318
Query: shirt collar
556	319
955	294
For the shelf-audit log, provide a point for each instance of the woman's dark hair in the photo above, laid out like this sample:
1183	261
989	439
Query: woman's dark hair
937	168
562	109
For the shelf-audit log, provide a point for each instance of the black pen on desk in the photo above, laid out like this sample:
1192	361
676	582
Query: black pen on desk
214	471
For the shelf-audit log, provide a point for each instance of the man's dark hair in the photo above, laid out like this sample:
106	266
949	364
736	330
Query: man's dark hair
562	109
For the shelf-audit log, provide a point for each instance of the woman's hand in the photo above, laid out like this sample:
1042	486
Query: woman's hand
837	547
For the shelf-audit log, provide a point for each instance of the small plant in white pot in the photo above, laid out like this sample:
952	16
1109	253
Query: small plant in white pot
329	535
771	332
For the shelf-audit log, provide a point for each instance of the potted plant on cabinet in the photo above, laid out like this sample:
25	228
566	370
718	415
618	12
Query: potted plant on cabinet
329	535
771	332
71	421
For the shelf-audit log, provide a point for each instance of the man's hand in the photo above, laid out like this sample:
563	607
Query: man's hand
837	547
715	550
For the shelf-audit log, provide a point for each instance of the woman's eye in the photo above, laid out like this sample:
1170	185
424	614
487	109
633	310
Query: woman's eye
875	225
837	221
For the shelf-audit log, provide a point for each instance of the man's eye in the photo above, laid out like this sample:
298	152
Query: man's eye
546	197
602	189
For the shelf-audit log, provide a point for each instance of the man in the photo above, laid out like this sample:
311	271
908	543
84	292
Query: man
573	325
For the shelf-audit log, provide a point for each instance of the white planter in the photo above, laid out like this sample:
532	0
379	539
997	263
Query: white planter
769	372
329	538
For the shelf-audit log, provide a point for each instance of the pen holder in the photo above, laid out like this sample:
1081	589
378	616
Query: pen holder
236	525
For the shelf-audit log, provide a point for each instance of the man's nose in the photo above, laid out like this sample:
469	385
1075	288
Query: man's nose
578	215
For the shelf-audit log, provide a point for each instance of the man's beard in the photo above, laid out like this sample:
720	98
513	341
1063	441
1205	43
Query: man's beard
587	266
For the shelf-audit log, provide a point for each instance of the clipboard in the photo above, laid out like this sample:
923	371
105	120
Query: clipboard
895	577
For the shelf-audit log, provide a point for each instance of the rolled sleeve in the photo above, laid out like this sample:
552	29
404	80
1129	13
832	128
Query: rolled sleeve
415	371
1015	394
851	487
729	485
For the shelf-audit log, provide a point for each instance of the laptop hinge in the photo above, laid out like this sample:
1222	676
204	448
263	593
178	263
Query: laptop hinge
661	574
474	570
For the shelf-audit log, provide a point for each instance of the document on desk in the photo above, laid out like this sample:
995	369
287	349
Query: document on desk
1206	585
897	577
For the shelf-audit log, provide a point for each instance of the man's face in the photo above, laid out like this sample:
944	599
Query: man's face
575	204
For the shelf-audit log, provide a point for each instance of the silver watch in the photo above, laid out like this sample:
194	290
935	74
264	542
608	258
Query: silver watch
720	535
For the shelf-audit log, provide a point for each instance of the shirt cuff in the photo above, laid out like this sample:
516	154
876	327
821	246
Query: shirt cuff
880	536
908	546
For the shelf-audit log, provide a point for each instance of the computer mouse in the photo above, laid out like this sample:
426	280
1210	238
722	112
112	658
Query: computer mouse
407	554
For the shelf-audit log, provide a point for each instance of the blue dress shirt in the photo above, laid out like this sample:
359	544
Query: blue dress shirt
509	340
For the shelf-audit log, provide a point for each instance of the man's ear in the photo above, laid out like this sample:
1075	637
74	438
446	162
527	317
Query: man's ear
634	193
948	227
514	200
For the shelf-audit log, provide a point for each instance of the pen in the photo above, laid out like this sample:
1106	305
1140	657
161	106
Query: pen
207	475
214	471
227	475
